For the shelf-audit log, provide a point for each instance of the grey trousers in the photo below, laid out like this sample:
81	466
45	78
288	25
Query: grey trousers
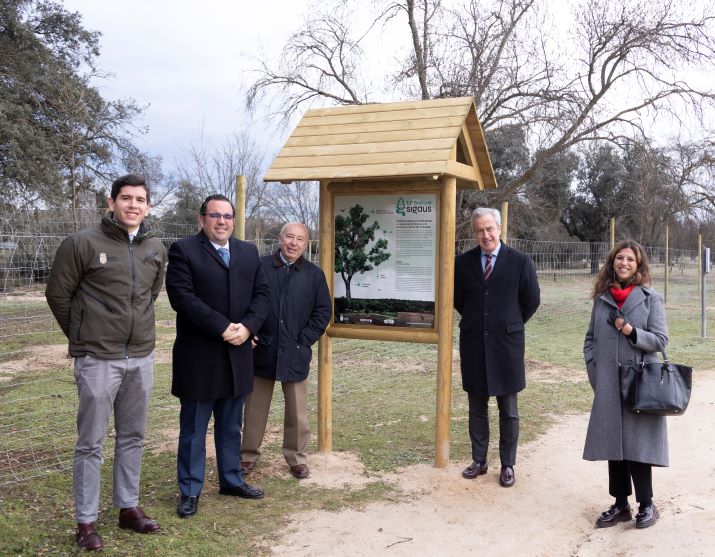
103	386
296	430
508	427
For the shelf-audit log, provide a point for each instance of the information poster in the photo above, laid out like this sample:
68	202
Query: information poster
385	257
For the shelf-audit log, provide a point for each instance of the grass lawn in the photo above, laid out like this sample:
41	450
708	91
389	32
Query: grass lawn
383	411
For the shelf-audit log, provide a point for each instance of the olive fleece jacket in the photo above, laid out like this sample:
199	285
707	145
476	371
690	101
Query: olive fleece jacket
102	289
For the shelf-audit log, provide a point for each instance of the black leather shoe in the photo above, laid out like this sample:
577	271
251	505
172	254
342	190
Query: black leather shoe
506	476
647	517
244	490
188	505
613	516
474	469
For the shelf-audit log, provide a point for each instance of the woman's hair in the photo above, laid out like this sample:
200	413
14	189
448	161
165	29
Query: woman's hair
606	277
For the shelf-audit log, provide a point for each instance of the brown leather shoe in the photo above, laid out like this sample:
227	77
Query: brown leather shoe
135	519
300	471
88	538
475	469
247	467
506	476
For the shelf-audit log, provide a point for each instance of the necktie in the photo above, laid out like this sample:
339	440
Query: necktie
488	266
225	255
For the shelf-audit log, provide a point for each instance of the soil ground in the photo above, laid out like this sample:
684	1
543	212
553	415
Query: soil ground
549	512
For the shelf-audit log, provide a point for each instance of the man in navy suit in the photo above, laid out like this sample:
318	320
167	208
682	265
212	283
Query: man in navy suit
496	292
219	292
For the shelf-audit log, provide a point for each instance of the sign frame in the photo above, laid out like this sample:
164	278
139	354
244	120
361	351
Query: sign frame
386	188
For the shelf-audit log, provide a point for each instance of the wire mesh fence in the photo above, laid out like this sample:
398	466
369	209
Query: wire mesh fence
37	391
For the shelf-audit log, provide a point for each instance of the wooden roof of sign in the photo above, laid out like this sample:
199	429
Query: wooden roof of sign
392	140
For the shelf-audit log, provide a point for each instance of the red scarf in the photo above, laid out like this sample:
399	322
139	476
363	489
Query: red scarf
620	294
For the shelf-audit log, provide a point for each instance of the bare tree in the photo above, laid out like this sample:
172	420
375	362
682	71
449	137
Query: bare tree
617	66
692	169
214	169
320	61
297	202
423	18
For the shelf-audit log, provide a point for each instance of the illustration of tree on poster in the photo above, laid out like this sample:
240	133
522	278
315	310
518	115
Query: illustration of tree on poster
385	254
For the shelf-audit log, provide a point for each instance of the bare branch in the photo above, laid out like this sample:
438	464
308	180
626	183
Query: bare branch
319	61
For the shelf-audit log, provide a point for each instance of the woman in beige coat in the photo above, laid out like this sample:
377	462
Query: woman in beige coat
627	326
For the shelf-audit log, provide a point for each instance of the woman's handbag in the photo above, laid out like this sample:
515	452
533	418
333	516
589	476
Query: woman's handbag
656	388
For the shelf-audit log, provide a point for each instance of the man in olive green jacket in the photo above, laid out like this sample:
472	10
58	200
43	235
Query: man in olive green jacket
102	287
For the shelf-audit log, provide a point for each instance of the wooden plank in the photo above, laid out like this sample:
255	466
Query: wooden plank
466	140
425	123
377	107
459	170
359	148
483	160
388	187
376	332
373	137
384	116
361	159
358	171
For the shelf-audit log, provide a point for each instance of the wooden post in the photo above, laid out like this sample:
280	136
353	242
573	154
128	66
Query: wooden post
700	264
239	226
504	221
445	316
667	264
325	344
613	233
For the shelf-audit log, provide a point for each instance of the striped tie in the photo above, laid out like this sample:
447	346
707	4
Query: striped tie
488	266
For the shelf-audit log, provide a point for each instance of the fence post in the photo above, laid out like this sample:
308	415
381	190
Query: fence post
705	269
445	316
504	220
700	264
325	343
613	233
667	264
239	230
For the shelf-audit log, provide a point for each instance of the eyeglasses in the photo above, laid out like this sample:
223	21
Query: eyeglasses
216	216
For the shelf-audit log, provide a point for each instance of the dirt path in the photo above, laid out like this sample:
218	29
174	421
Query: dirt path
549	512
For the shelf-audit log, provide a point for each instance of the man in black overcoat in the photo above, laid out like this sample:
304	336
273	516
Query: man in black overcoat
300	312
219	292
496	292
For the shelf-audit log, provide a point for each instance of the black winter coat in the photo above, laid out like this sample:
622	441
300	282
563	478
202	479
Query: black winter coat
491	332
207	297
300	313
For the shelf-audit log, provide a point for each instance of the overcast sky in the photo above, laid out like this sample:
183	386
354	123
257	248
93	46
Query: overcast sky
186	59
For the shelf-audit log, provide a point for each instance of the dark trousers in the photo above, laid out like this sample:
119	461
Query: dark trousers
191	459
620	473
508	427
